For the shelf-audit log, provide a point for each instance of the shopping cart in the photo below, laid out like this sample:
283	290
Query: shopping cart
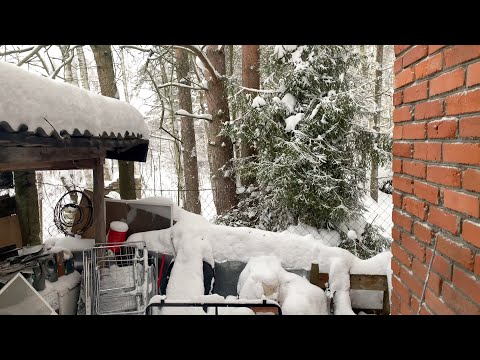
119	278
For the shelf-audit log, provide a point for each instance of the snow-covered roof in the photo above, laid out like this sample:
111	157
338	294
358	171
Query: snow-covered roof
41	104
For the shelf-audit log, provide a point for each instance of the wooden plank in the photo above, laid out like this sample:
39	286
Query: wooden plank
10	231
128	148
48	165
40	154
314	275
98	201
260	310
368	282
357	281
386	303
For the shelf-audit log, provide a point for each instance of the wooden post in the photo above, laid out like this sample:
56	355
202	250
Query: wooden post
314	275
99	201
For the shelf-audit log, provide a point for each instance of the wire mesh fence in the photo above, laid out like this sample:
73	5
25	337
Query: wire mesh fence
352	235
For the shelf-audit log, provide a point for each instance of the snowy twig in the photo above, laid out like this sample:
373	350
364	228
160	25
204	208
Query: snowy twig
136	48
173	136
30	55
17	51
258	90
180	85
201	116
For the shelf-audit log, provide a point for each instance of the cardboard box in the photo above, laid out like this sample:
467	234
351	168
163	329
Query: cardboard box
10	231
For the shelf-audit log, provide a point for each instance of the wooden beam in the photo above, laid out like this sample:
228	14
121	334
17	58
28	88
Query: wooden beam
41	154
48	165
98	201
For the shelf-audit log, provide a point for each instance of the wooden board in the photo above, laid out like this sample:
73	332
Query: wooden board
118	211
357	282
10	231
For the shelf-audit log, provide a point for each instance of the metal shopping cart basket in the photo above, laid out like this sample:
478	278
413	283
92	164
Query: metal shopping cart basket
119	278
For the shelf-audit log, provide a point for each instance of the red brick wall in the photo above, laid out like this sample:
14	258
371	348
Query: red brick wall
436	164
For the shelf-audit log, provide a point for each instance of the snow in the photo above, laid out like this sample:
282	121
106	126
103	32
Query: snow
352	235
119	226
182	112
292	121
258	102
199	63
29	99
326	237
53	291
264	277
289	101
314	112
194	239
70	243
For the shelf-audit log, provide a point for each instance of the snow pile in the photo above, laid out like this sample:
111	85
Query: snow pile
69	243
53	291
280	50
200	240
292	121
326	237
36	101
258	102
264	277
289	101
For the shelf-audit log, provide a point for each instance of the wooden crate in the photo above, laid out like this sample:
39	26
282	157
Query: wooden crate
357	282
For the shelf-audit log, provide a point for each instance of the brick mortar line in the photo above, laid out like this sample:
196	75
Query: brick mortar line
463	88
442	71
438	229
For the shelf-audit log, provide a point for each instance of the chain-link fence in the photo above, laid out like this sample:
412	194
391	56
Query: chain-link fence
376	216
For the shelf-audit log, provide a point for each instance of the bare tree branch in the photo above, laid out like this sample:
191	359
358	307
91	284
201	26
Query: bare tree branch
32	53
136	48
68	60
204	59
259	91
195	116
17	51
181	85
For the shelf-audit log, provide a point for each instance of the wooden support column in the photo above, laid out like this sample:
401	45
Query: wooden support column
99	201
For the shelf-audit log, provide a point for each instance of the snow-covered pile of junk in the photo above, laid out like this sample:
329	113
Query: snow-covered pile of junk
191	266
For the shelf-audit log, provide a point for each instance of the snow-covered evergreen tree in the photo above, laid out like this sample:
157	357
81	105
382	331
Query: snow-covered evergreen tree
312	151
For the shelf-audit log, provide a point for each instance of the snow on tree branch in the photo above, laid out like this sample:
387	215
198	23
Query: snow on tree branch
180	85
195	116
16	51
32	53
204	59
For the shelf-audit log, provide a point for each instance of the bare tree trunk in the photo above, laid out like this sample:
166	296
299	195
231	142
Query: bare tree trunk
82	63
190	166
73	65
67	69
106	78
250	79
26	197
220	148
376	120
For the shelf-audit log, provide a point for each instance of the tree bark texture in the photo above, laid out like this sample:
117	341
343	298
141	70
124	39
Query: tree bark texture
108	87
376	120
220	148
82	64
26	197
250	79
190	166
